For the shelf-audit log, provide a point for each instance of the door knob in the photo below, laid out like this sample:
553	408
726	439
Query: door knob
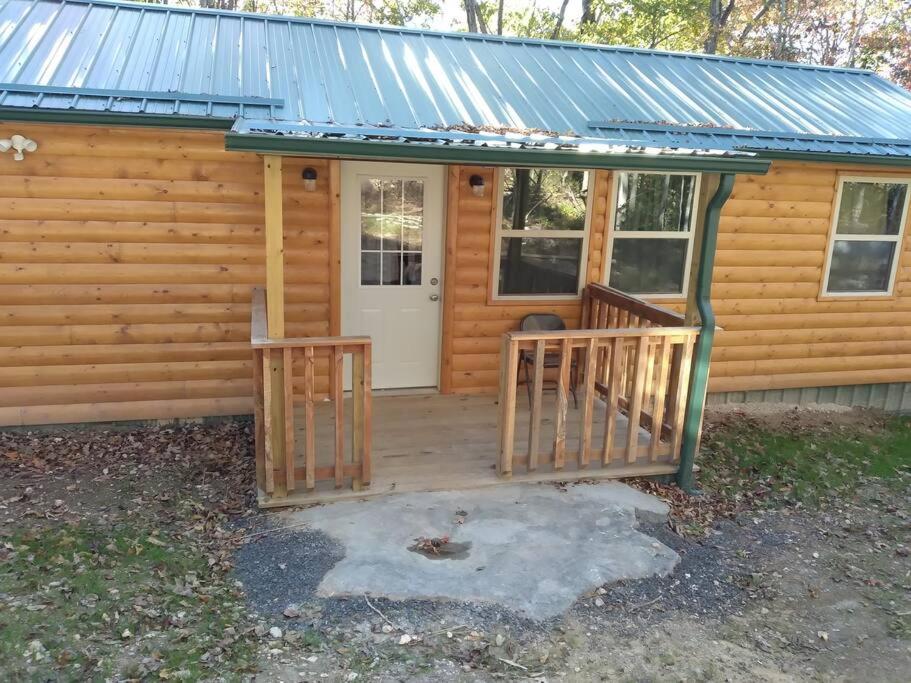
434	297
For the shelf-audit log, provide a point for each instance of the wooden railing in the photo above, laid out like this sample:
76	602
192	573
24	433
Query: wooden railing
609	308
642	373
296	365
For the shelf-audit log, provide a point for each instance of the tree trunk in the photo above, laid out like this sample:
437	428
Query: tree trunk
560	17
719	13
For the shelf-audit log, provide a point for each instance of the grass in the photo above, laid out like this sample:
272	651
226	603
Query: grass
803	463
86	602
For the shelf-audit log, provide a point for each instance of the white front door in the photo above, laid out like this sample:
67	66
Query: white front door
392	233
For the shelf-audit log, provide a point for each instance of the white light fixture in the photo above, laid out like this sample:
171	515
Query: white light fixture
20	145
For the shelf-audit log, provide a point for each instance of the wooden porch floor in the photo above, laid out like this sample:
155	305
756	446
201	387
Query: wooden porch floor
432	442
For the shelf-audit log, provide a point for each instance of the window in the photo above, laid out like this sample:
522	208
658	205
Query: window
653	232
867	235
392	223
541	233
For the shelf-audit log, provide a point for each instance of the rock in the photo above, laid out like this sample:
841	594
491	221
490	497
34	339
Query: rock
405	639
126	634
352	676
291	612
275	632
387	628
599	602
500	639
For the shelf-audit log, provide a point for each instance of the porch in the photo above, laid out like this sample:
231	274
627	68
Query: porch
317	442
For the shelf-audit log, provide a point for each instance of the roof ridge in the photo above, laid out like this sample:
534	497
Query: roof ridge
482	37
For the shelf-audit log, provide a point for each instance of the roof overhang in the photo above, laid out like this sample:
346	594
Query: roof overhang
499	148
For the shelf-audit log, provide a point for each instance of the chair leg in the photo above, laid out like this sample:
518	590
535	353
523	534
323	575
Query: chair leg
524	362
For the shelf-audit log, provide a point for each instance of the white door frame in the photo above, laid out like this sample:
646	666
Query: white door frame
350	242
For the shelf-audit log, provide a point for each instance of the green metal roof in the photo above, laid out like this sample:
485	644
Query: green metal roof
320	80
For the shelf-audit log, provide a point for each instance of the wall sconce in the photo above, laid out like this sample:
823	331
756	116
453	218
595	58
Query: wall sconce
309	176
19	144
477	185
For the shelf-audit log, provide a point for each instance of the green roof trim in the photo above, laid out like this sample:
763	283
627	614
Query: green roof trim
114	119
835	158
489	156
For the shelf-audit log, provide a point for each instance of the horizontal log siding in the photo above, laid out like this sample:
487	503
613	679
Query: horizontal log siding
479	324
126	262
771	255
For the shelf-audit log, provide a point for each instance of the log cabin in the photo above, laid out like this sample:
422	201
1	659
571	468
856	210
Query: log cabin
430	260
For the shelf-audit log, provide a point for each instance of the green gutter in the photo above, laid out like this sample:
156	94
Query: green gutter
486	156
836	158
114	119
703	352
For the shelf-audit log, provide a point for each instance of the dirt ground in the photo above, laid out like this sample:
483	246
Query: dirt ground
765	590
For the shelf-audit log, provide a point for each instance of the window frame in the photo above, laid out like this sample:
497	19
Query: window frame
653	234
498	233
897	239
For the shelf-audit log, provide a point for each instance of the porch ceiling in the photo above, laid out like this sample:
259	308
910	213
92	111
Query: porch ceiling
483	147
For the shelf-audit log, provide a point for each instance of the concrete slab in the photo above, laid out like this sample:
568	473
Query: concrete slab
531	548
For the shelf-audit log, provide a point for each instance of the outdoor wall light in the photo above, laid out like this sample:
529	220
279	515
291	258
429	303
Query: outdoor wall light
309	176
477	185
19	144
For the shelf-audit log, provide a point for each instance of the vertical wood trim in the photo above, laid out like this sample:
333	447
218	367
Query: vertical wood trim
288	396
534	418
707	187
588	404
275	260
566	354
617	357
509	357
450	255
309	421
338	401
664	363
335	249
635	402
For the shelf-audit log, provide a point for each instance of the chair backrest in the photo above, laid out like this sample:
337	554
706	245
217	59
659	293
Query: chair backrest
542	322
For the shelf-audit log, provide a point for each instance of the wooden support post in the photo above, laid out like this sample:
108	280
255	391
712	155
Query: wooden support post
335	261
338	402
357	415
273	363
275	250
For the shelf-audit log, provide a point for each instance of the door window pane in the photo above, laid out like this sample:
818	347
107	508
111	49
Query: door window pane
539	265
392	224
871	208
649	266
370	268
654	202
861	266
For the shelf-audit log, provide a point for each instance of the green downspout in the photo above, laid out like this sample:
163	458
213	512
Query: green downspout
703	352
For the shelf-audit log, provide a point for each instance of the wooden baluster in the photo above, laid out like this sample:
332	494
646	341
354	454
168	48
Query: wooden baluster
615	377
267	421
367	417
509	359
534	417
585	439
357	414
635	399
648	389
664	364
683	387
258	426
309	421
288	396
562	404
338	399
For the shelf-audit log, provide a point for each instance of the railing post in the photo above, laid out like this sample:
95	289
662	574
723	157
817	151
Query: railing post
509	368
